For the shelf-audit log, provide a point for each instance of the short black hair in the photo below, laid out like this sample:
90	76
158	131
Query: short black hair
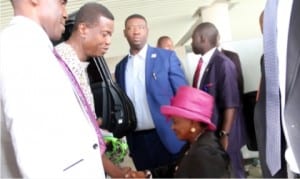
139	16
90	12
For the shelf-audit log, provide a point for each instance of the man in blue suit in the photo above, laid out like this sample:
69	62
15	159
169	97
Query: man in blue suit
150	76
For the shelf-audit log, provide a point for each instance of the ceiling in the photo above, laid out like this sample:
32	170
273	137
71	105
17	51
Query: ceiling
174	18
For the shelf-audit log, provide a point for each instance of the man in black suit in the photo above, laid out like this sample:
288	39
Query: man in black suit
247	100
234	57
286	54
218	78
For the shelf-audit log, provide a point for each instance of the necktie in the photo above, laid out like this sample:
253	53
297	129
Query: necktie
197	73
273	130
83	100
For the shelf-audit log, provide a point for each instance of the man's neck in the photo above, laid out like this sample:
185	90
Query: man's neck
77	48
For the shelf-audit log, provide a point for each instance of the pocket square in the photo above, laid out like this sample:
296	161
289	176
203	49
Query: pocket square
207	86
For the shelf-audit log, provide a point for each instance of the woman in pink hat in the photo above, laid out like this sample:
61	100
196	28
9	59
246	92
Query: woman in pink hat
202	156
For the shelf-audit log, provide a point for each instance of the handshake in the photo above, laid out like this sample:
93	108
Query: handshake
138	174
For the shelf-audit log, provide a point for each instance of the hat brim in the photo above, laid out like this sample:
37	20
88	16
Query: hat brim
170	111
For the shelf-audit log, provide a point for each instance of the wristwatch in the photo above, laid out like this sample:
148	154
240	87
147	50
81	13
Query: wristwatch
223	133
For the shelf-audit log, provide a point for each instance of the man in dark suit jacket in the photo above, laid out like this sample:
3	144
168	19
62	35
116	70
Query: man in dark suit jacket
247	101
150	76
289	88
234	57
219	79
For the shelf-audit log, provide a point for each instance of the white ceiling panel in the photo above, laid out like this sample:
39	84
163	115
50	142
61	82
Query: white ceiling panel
165	17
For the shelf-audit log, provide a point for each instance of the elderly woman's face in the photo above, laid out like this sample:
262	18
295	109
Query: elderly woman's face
182	128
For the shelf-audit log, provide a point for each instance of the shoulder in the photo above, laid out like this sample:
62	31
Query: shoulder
122	61
221	59
208	141
67	53
230	54
160	51
208	145
61	47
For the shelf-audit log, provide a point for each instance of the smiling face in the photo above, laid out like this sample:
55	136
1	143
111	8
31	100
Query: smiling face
53	23
97	37
136	33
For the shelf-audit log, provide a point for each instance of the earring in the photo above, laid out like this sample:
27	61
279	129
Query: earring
193	130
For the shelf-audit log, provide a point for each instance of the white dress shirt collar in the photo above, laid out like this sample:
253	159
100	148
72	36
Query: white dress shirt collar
142	53
206	58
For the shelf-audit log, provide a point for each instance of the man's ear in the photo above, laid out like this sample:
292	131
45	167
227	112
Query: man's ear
35	2
82	28
202	38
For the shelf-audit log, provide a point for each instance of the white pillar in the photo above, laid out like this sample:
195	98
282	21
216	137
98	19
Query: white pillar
218	14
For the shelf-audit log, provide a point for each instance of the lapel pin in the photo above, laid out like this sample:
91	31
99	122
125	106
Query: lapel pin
154	76
153	55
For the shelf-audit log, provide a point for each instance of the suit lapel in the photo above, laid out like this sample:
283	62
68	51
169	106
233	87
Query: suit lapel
207	69
293	50
150	62
123	70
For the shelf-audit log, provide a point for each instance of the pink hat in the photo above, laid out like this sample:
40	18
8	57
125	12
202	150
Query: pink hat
193	104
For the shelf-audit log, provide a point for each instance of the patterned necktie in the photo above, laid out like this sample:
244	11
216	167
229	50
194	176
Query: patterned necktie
197	73
273	130
83	101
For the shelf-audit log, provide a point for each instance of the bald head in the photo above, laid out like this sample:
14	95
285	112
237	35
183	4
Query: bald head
165	42
209	31
204	38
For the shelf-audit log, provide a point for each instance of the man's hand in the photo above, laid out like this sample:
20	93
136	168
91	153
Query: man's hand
136	174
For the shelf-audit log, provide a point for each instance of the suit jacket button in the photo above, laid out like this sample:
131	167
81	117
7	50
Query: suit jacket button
95	146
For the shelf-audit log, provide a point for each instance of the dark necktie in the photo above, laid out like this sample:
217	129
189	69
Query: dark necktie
197	73
83	100
273	130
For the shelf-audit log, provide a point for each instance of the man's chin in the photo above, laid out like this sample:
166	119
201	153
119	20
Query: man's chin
101	53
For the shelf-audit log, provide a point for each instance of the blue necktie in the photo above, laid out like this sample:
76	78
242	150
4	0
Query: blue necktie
273	130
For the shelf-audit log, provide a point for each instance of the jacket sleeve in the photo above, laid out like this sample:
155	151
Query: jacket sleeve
165	171
176	74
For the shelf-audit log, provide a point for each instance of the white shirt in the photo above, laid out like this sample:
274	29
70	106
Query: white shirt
51	135
136	88
206	58
283	21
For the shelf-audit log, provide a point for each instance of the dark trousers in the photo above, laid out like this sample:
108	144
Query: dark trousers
282	173
147	150
236	164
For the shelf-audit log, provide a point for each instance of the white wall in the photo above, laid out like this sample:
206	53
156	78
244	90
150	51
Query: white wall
250	52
